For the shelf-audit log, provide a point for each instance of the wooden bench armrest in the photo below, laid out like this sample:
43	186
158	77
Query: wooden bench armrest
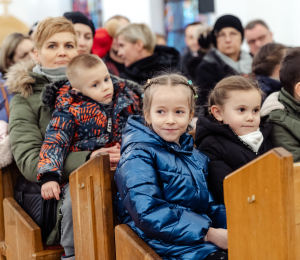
129	246
23	238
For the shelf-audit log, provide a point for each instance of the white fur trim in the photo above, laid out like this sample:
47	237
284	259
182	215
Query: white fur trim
6	156
270	104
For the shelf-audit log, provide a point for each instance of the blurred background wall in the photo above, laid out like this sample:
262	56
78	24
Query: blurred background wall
280	15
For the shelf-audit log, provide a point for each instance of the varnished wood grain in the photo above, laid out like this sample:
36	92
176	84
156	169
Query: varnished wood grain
265	228
129	246
92	207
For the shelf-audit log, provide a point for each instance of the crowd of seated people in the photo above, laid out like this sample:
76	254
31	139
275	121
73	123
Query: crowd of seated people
69	92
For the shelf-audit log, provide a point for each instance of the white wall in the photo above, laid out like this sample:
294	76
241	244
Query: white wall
280	15
150	12
31	11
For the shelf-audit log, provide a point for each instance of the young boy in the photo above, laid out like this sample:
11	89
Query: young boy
90	113
283	107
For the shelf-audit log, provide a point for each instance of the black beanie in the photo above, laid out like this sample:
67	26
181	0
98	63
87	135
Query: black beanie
226	21
78	17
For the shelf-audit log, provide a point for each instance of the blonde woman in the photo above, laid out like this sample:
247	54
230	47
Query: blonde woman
142	58
55	43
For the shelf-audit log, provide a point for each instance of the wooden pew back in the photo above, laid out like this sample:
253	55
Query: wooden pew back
92	207
22	236
260	206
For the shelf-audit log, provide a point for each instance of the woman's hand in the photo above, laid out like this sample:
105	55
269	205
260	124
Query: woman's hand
114	152
50	190
218	236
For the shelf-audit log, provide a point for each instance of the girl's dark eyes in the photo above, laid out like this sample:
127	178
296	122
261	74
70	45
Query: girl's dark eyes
107	79
179	112
160	111
256	110
95	85
241	109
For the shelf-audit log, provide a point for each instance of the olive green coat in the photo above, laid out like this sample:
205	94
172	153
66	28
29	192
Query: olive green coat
27	126
286	123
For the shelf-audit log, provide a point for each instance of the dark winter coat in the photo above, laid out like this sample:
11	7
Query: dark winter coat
163	194
190	64
268	85
284	114
114	68
208	73
81	124
226	151
164	58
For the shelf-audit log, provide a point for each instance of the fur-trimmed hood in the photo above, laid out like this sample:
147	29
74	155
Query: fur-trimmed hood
270	104
6	156
19	80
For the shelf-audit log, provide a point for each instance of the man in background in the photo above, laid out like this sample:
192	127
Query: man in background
193	48
257	34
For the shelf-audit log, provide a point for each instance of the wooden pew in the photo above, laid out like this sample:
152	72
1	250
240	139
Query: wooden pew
92	207
20	236
93	190
262	201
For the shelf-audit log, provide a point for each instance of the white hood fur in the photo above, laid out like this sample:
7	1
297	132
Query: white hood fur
6	156
270	104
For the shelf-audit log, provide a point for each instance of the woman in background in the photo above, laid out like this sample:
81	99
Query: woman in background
15	48
142	57
85	31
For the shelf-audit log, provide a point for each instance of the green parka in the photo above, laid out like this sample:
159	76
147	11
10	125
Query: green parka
28	122
285	117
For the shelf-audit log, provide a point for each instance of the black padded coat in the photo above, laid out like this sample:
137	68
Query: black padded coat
226	151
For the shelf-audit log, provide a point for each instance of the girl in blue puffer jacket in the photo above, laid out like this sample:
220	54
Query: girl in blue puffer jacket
161	177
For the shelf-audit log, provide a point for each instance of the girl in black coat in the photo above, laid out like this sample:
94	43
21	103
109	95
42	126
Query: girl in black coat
231	135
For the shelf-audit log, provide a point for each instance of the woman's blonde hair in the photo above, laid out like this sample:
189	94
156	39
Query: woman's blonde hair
138	31
50	26
168	79
220	93
8	50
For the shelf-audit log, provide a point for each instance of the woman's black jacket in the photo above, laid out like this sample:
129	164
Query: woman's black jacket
208	73
164	59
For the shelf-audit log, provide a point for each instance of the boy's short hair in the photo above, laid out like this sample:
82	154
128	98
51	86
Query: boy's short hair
83	61
290	70
50	26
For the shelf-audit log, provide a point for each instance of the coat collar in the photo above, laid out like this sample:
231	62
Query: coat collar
137	132
207	126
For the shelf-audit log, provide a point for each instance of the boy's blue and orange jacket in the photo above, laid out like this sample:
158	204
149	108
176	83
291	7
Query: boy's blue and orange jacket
82	124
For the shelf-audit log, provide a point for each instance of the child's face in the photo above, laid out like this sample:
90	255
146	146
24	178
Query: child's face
241	111
170	112
96	84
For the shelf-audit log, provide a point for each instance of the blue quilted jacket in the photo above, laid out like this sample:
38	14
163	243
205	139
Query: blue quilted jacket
163	193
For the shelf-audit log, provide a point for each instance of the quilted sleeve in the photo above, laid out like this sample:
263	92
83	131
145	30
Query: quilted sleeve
139	189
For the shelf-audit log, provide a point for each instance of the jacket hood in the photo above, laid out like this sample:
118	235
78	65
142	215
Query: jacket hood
137	132
289	102
207	126
270	104
164	58
21	79
268	85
